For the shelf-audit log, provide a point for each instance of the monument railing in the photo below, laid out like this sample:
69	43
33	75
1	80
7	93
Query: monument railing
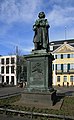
33	114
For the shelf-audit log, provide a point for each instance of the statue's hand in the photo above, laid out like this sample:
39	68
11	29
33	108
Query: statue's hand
42	22
37	22
34	27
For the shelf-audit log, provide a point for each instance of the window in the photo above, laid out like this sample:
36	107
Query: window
65	78
7	60
12	79
71	55
71	78
52	66
64	67
2	61
58	56
58	78
12	69
58	66
2	69
51	48
12	61
72	66
64	55
68	55
7	69
2	79
7	79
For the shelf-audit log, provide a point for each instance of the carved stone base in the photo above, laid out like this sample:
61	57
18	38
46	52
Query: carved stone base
39	99
39	51
39	72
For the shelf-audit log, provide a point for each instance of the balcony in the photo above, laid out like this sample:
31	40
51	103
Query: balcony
71	71
58	71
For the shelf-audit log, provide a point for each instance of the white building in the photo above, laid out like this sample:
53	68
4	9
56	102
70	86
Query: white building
8	69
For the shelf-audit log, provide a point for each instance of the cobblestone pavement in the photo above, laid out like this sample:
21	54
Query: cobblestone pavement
65	90
13	90
10	90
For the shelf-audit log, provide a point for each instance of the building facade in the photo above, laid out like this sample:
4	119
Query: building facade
8	69
63	64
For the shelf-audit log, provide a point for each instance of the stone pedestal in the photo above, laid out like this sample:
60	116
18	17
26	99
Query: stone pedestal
39	80
39	66
39	99
39	72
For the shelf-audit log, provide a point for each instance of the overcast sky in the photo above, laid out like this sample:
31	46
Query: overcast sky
18	16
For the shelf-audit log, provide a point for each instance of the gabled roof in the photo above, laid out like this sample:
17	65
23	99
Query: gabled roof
58	43
64	48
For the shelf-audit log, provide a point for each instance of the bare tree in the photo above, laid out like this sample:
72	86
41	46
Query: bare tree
21	67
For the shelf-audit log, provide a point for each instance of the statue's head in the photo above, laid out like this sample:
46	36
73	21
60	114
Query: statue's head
41	15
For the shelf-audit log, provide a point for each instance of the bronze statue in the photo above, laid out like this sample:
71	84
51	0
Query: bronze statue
41	39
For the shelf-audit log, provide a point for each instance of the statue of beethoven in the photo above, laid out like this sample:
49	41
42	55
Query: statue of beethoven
41	39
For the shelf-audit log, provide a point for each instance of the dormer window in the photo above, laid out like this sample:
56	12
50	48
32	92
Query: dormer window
51	48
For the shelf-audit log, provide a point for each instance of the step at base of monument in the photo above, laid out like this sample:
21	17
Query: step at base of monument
38	99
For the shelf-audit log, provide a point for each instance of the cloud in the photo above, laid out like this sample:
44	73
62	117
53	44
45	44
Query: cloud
70	33
12	11
26	50
61	16
18	10
58	12
63	3
62	12
21	47
4	28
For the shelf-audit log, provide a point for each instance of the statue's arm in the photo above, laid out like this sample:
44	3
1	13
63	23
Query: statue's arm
37	22
36	25
47	24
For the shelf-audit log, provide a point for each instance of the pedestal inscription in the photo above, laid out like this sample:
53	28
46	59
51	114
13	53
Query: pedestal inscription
37	73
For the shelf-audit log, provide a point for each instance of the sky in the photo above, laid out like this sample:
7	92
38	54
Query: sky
18	16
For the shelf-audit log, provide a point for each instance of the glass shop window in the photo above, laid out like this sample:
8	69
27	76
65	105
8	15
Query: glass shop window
58	78
65	78
71	78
